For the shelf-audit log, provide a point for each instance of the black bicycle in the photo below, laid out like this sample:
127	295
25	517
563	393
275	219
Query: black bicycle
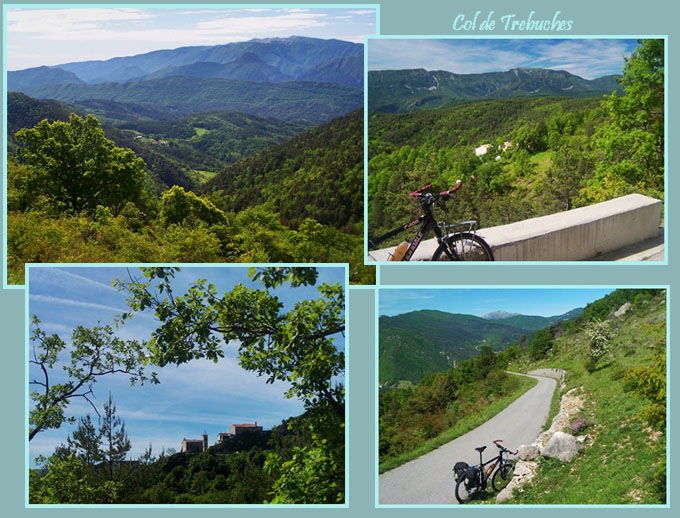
457	242
473	479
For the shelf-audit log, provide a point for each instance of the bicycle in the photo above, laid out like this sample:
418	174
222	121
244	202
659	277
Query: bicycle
472	479
457	242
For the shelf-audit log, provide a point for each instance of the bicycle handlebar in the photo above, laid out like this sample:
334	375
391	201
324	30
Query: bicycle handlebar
418	193
449	192
503	448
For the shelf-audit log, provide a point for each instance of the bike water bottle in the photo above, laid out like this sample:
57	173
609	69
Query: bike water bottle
399	251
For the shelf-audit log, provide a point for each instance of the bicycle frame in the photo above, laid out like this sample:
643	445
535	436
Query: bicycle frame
498	460
428	221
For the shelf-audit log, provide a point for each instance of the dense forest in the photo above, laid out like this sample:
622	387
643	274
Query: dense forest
145	178
614	354
545	154
89	468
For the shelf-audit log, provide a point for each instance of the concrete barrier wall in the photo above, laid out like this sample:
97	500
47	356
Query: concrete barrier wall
576	235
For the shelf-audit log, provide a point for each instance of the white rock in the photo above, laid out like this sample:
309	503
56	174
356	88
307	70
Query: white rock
562	446
528	452
622	310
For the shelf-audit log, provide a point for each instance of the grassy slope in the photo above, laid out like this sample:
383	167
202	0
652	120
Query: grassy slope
619	464
462	427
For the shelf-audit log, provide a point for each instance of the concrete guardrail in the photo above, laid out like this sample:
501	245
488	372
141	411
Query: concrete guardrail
575	235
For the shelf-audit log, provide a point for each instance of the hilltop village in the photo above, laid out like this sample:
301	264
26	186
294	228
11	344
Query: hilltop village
236	430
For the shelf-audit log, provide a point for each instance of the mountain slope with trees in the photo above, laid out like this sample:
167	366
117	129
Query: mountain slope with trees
416	344
402	91
296	101
544	155
299	199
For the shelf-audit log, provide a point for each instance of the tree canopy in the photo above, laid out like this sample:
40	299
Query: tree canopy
77	167
94	352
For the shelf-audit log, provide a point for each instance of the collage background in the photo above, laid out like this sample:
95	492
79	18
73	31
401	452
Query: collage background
413	17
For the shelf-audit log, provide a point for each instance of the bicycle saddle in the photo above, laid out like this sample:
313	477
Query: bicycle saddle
481	449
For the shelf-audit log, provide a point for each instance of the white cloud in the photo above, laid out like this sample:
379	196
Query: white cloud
69	20
61	277
70	302
256	24
586	58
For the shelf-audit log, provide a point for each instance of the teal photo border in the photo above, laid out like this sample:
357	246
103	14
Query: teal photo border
184	266
510	287
478	36
223	5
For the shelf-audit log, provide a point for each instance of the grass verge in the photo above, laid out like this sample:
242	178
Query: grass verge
462	427
624	461
554	406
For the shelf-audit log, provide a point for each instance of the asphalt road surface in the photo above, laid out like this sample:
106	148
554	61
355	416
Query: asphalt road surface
429	479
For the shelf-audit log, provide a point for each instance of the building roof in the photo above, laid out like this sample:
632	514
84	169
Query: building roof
246	426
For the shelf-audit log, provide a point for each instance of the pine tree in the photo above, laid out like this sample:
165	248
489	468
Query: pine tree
85	441
116	444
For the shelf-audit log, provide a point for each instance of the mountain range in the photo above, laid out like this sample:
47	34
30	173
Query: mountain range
415	344
292	57
402	91
296	79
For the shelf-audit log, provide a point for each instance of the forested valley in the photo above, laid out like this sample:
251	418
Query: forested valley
542	153
204	163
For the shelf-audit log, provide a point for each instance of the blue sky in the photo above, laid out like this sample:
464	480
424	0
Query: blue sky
192	398
476	301
49	36
588	58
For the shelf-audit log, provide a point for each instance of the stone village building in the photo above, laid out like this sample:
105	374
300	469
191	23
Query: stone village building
236	430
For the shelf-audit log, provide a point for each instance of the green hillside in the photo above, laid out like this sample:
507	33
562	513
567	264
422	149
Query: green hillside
523	157
416	344
535	322
173	150
272	219
624	461
306	102
314	175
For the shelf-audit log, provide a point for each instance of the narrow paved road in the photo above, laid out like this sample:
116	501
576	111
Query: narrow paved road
429	479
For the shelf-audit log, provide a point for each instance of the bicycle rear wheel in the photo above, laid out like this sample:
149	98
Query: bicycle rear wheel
462	492
463	247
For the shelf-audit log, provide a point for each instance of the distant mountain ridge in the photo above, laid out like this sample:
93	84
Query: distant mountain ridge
413	345
22	79
498	315
401	91
280	59
296	79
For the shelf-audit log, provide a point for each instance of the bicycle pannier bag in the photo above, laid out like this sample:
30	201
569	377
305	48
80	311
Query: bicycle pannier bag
472	473
459	470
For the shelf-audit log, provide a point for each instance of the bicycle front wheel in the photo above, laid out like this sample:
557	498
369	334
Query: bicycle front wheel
463	247
462	492
503	476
